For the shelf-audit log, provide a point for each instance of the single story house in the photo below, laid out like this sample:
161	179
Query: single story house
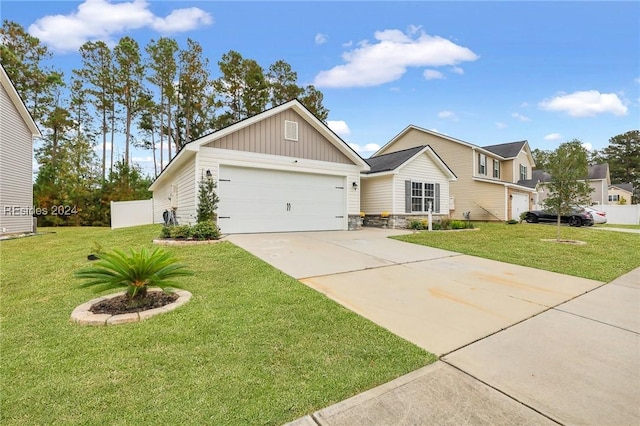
279	171
17	131
404	185
619	191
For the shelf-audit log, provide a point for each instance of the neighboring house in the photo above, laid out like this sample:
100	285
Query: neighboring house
17	130
617	191
281	170
405	184
487	177
598	177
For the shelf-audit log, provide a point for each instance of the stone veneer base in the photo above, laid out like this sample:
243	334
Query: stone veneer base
82	315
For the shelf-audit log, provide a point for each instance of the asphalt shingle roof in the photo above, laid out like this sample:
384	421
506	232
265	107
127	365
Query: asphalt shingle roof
506	150
388	162
624	186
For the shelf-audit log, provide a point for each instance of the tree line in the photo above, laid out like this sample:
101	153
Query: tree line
158	97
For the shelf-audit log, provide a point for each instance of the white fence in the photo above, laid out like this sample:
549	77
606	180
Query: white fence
620	215
131	213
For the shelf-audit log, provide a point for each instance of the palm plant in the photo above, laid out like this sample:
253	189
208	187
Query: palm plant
136	271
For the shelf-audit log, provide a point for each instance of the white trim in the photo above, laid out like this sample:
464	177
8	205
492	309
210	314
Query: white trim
506	184
18	103
433	157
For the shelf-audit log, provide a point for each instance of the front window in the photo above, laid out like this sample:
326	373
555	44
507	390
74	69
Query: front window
422	196
496	169
523	172
615	197
482	164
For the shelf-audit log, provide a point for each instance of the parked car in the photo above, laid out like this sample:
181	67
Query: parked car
598	216
577	217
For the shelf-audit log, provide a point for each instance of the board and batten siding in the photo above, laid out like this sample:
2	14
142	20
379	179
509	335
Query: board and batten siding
421	169
16	176
377	195
267	137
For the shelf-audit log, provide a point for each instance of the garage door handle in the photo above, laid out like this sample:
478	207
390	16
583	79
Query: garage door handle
224	217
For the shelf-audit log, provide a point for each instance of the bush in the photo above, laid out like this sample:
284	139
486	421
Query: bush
207	230
181	232
512	221
445	223
523	216
418	225
165	232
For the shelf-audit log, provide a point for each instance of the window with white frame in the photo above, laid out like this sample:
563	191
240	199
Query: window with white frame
614	197
425	195
496	169
523	172
482	164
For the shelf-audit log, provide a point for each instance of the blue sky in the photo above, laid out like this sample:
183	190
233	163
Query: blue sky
483	72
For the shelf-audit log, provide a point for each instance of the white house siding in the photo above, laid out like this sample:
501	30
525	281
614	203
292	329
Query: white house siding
183	185
377	195
420	169
16	182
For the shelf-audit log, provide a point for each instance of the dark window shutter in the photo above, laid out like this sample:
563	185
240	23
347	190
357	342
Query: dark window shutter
407	196
437	197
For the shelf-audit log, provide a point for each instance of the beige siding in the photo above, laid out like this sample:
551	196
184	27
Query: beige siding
420	169
16	176
183	186
267	137
468	194
509	169
377	195
620	193
353	195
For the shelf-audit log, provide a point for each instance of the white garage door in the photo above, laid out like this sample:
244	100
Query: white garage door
260	200
519	205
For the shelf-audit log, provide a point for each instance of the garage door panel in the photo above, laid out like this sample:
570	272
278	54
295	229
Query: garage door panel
260	200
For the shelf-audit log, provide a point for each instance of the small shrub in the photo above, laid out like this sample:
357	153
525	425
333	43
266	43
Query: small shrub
523	216
512	222
417	225
181	232
207	230
384	215
458	224
445	223
165	232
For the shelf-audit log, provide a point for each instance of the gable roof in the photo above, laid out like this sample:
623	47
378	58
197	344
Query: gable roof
503	151
598	171
191	148
624	186
388	162
18	103
395	160
506	150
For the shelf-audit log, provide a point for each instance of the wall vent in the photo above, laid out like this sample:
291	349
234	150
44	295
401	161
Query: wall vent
290	130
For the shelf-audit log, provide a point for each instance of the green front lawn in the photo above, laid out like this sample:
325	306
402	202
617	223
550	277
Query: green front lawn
253	346
606	256
610	225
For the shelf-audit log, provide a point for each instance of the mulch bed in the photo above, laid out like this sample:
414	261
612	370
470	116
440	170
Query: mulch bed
124	305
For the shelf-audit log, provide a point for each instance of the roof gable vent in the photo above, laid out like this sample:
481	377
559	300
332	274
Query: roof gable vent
290	130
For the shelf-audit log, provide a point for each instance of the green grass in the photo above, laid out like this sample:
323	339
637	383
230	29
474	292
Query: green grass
609	225
253	346
606	256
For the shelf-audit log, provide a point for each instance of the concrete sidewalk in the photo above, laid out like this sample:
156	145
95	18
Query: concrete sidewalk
576	363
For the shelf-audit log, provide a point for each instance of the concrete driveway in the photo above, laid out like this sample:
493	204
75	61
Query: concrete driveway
437	299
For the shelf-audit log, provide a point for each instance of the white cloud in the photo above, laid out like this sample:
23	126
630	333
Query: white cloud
348	44
432	74
321	38
501	125
388	58
102	20
587	146
447	114
142	159
369	148
98	147
340	127
457	70
585	104
637	80
520	117
552	137
524	104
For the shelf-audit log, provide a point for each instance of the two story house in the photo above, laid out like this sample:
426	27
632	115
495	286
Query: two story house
484	181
